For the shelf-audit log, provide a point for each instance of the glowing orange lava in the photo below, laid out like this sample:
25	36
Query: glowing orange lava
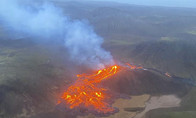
132	67
85	91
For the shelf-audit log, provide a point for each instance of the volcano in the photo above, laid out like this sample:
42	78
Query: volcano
90	91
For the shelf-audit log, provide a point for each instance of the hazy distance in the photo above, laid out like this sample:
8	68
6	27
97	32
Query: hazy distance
168	3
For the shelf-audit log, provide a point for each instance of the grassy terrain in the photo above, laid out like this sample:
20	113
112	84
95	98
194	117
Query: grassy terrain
187	108
180	114
187	114
29	81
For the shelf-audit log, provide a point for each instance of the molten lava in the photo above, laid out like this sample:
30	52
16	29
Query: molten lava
132	67
86	91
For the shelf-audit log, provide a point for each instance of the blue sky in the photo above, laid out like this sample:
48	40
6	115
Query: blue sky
170	3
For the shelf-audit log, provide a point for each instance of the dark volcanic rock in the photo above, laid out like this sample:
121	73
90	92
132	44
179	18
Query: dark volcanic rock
145	82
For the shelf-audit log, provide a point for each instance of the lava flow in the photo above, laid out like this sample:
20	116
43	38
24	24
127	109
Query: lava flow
87	93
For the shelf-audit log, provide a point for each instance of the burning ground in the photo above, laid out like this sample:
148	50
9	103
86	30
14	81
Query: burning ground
86	92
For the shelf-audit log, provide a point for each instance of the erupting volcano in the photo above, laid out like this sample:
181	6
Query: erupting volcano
87	93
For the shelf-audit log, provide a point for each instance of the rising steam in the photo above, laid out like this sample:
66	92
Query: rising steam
48	22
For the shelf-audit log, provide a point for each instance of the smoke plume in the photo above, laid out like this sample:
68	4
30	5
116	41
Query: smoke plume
48	22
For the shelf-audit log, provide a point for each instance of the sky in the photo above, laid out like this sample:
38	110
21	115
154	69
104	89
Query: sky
168	3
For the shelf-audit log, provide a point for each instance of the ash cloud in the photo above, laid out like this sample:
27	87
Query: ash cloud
46	21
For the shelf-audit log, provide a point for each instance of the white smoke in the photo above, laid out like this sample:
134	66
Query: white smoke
47	21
